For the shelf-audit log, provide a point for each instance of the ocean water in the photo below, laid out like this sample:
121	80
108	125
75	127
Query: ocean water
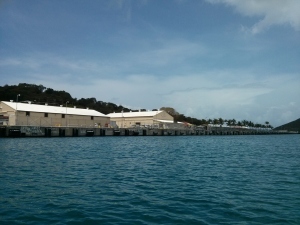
150	180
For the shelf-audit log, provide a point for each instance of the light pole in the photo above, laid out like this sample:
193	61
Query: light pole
17	101
17	109
18	96
66	112
122	118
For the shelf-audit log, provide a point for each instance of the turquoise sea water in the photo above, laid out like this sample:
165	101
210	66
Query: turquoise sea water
151	180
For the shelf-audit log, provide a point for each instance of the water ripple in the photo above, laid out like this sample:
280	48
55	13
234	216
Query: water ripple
151	180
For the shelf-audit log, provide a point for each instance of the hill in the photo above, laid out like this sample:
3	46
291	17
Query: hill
291	126
38	94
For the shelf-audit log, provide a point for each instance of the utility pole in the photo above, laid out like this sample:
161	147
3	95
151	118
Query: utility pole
16	114
66	113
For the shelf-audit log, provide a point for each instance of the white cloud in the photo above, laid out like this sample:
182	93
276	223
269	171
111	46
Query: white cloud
19	62
272	12
204	95
125	7
238	94
169	52
198	95
155	55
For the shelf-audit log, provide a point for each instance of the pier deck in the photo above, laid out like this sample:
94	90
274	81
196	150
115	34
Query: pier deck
33	131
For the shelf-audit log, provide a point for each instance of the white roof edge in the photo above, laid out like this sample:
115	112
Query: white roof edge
165	121
134	114
53	109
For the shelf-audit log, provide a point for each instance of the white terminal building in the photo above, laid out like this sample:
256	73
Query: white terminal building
27	114
154	119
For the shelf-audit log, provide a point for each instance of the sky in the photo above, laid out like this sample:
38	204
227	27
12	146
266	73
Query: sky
205	58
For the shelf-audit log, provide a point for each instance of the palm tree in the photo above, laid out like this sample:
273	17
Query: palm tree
221	121
203	121
233	122
245	122
215	121
229	122
251	124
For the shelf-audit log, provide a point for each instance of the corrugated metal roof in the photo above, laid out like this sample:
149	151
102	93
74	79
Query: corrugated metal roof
53	109
133	114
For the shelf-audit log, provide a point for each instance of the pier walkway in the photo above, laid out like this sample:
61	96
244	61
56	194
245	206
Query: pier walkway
33	131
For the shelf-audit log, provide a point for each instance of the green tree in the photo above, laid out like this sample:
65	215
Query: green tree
170	110
221	121
215	121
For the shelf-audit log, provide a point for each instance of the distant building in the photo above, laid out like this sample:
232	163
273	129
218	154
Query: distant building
156	119
27	114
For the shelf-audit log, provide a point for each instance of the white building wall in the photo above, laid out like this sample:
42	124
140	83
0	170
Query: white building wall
127	120
29	118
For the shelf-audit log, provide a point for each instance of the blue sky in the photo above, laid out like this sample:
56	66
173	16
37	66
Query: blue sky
206	58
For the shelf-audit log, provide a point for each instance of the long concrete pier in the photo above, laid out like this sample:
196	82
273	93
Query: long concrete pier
33	131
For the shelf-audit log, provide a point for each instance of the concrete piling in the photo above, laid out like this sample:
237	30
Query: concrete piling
33	131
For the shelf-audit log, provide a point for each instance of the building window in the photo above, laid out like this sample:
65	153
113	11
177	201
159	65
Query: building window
62	115
27	113
46	114
92	118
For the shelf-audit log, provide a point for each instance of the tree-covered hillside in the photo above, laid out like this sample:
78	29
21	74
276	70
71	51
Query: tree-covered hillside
38	94
292	126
